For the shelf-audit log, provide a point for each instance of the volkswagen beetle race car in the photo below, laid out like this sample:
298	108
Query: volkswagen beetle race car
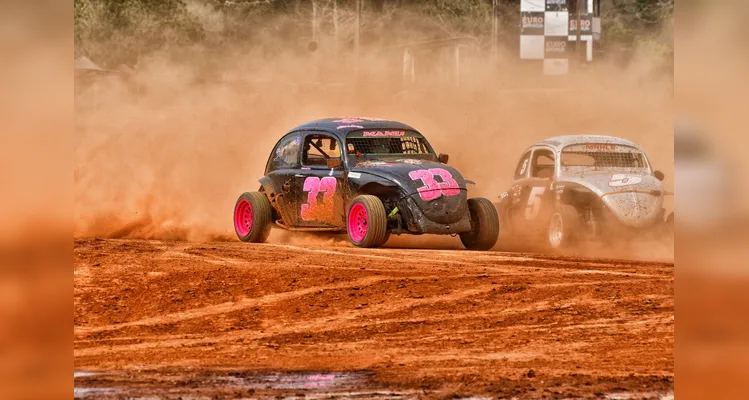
368	177
568	188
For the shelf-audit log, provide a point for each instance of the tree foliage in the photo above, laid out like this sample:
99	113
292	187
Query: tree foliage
135	26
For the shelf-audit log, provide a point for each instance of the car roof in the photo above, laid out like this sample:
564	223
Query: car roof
559	142
341	126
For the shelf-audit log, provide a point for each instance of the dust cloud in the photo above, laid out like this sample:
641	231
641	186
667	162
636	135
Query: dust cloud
164	148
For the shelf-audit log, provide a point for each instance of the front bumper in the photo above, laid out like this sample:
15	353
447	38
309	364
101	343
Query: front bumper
418	223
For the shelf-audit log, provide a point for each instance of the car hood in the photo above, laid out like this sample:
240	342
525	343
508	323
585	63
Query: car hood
437	189
635	199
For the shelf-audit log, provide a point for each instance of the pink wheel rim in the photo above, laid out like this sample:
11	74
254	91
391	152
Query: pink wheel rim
358	222
243	217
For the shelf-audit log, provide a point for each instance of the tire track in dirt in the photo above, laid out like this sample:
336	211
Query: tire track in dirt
334	322
507	268
230	306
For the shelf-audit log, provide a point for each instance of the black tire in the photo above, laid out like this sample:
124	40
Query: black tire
563	227
368	229
261	211
387	237
485	223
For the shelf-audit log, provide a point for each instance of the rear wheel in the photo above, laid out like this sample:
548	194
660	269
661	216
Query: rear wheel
252	217
563	227
485	223
366	221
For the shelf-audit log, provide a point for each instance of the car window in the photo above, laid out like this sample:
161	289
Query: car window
543	164
602	156
385	146
522	169
318	149
286	154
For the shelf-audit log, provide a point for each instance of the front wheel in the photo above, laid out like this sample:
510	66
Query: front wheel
366	222
253	215
485	223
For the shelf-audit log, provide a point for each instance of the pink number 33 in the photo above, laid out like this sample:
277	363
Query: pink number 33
433	189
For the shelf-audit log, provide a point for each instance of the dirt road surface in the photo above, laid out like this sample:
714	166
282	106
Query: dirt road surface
234	320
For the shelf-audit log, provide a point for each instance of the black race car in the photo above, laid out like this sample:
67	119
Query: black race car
369	177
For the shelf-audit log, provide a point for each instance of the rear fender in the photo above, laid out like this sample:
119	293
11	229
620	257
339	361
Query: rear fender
274	194
269	186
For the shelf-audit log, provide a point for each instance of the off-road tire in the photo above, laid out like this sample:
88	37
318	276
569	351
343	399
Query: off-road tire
485	224
373	232
569	219
261	218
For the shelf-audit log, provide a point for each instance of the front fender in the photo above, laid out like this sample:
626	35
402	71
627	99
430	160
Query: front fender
365	178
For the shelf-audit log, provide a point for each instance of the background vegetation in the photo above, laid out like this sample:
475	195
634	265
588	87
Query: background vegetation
116	32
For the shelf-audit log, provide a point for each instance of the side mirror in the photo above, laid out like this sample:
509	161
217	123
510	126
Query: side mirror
659	175
333	163
443	158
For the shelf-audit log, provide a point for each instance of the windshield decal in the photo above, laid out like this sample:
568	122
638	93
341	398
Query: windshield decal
433	189
383	133
350	126
356	120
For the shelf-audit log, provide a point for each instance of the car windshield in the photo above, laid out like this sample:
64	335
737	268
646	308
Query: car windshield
387	145
602	156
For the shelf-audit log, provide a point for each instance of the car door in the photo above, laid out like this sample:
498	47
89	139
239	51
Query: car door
283	164
320	192
537	193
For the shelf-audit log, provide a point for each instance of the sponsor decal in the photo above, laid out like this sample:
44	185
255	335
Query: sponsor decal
556	46
354	175
600	147
315	210
586	21
619	180
356	120
433	189
384	133
350	148
349	126
532	23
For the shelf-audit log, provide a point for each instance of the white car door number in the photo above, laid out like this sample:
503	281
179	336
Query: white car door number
534	202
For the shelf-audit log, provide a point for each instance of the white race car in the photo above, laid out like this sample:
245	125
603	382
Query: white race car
568	188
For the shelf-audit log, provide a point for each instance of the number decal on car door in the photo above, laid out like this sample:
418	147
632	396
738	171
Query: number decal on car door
314	210
433	189
534	202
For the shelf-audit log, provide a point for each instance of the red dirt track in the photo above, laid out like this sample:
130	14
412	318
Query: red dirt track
157	315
